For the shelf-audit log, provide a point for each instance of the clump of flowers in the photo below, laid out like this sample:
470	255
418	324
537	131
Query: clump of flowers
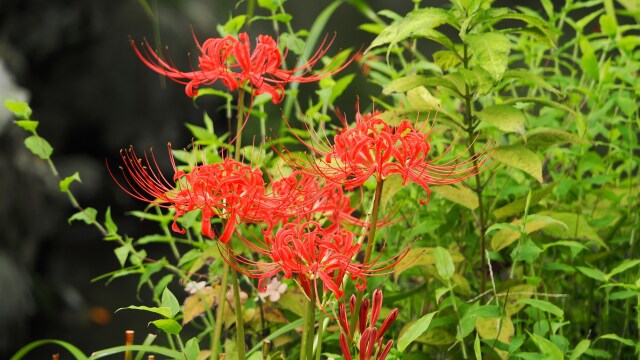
375	148
232	61
371	344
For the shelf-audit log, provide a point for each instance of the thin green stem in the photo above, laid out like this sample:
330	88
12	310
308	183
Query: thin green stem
240	123
367	254
217	331
311	324
239	319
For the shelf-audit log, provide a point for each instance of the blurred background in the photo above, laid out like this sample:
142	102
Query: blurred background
71	60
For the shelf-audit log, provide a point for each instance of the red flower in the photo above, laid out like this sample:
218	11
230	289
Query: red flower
375	148
232	61
308	253
229	190
370	336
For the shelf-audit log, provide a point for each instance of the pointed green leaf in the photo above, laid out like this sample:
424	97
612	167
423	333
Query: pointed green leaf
519	205
446	59
527	76
39	146
619	339
415	330
88	215
576	228
459	195
169	326
77	353
540	139
592	273
122	253
624	266
192	349
520	157
164	311
580	349
170	301
504	117
547	347
406	83
444	262
64	183
19	108
29	125
543	306
491	52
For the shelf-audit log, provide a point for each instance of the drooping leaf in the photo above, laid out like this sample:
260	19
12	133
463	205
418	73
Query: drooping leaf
192	349
526	76
415	330
88	215
170	301
541	138
592	273
547	347
122	253
543	306
77	353
415	22
164	311
29	125
520	157
64	183
169	326
576	228
458	194
491	52
504	117
406	83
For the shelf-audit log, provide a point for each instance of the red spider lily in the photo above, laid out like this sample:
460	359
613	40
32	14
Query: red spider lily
307	252
370	336
375	148
230	190
302	195
232	61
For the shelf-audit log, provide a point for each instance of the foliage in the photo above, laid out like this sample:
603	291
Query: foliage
532	255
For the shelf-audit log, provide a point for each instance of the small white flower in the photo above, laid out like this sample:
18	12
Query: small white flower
274	289
193	287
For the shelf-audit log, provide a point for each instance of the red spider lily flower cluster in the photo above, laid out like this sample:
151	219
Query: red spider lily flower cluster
375	148
232	61
371	337
309	253
229	190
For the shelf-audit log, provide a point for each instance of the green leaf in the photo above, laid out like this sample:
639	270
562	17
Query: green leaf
415	330
392	184
412	24
164	311
77	353
576	228
64	183
422	256
508	236
519	205
580	349
271	5
527	252
547	347
476	348
29	125
535	21
520	157
122	253
444	262
624	266
592	273
459	195
39	146
169	326
406	83
155	349
619	339
170	301
88	215
491	52
421	98
528	76
540	139
19	108
543	306
608	25
234	24
504	117
112	228
446	59
192	349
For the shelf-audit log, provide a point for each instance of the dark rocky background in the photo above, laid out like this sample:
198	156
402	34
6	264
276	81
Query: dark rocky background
72	60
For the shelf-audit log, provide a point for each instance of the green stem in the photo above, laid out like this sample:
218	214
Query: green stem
311	324
239	123
478	189
367	254
217	331
239	319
